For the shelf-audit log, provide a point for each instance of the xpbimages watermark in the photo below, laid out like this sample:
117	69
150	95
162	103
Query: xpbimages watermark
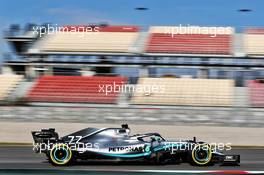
191	29
183	146
129	88
75	143
81	31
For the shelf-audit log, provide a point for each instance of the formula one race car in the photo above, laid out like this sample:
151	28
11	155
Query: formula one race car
118	144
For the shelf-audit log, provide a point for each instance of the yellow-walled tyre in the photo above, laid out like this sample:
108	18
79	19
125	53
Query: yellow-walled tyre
60	155
201	155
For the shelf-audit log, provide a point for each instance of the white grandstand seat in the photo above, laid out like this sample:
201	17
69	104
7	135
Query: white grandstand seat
8	83
254	41
185	91
114	40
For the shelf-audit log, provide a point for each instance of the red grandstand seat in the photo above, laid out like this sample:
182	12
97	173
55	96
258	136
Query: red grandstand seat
75	89
83	28
189	44
256	92
119	29
254	31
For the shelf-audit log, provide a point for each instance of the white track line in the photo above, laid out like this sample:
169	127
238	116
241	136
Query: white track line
157	171
196	171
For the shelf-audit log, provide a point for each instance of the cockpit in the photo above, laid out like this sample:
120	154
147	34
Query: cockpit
150	137
124	131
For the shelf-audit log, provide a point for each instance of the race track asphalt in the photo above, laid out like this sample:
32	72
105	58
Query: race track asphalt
22	157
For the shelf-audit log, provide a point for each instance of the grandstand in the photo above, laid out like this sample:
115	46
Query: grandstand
117	39
196	69
194	43
8	83
256	91
74	89
186	91
254	42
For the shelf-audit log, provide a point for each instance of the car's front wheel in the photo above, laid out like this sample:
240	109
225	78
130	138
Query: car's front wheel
201	155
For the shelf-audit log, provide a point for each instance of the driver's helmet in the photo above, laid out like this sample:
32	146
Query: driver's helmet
125	126
155	138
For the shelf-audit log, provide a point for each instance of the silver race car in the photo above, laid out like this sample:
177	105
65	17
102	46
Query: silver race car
117	144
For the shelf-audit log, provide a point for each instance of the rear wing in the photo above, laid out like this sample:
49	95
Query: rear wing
45	135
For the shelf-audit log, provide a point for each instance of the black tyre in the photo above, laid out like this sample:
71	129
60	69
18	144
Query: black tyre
201	155
60	155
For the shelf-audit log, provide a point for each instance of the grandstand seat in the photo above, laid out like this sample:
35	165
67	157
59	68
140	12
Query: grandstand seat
185	91
161	41
254	41
256	92
74	89
7	84
117	39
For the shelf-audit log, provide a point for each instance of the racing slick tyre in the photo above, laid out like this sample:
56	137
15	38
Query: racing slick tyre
201	155
60	155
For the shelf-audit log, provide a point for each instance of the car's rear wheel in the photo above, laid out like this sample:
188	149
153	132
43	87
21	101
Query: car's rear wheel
60	155
201	155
